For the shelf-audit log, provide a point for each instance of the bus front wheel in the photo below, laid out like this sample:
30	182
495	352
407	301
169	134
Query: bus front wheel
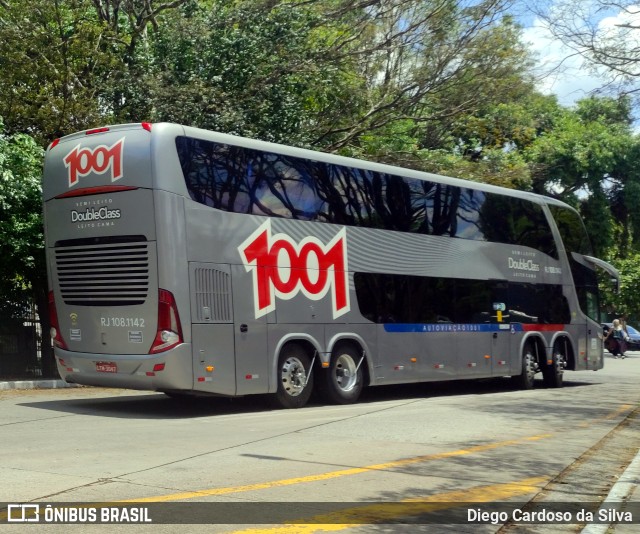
342	383
295	378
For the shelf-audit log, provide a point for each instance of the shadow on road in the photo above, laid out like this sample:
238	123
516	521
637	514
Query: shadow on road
159	406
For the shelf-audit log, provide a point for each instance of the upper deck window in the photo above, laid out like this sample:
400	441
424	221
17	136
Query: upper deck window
243	180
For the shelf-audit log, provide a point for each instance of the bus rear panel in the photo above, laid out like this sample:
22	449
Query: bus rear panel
115	324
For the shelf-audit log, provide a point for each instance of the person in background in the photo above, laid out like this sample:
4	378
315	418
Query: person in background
619	335
623	323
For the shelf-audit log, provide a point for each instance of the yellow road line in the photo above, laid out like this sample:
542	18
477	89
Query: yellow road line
337	474
611	415
379	513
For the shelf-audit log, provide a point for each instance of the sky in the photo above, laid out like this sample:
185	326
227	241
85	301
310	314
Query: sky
562	71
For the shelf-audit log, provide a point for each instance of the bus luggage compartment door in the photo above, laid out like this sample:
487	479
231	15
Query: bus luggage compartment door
477	355
214	369
250	336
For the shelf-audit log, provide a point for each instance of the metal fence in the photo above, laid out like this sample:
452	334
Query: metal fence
21	347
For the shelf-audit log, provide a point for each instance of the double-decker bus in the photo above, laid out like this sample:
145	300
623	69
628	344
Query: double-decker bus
193	262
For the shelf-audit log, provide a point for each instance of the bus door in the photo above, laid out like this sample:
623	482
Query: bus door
501	356
501	318
590	347
586	284
250	336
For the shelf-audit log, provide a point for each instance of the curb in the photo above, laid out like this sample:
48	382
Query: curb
618	495
35	384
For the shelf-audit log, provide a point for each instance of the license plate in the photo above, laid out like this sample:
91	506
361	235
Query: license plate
106	367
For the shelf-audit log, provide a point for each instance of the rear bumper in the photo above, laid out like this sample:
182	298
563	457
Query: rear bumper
131	371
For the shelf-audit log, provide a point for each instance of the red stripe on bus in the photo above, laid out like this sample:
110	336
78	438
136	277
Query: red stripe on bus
543	327
98	190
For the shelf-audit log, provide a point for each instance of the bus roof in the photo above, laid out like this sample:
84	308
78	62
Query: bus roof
164	128
364	164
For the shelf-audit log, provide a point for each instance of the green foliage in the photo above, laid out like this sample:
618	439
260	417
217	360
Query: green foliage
631	200
515	124
55	58
577	154
237	68
588	157
21	231
626	299
613	111
599	222
436	85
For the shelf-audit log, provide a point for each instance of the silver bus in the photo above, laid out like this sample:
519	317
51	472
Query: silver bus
193	262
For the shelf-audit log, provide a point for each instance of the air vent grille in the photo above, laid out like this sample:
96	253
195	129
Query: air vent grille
213	295
103	274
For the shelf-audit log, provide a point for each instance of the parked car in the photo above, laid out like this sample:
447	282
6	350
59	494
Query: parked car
632	344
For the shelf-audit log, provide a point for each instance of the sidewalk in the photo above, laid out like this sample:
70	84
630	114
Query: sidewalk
586	482
624	491
37	383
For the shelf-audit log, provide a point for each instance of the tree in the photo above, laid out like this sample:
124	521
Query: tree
584	160
490	144
606	33
430	62
22	270
68	65
626	299
52	64
258	69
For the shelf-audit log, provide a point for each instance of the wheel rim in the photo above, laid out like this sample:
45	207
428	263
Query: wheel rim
293	376
559	363
346	372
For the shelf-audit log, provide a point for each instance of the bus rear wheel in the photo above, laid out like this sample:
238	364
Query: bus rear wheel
342	383
295	378
526	378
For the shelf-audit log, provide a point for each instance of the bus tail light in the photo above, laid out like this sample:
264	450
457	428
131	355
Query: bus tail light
56	336
169	332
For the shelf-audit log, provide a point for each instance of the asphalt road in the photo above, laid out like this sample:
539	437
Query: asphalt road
403	454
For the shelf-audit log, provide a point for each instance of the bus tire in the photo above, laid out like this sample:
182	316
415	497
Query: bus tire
343	381
526	379
552	373
295	377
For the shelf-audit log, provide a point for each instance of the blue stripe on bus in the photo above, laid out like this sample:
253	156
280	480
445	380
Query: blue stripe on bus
480	327
437	327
